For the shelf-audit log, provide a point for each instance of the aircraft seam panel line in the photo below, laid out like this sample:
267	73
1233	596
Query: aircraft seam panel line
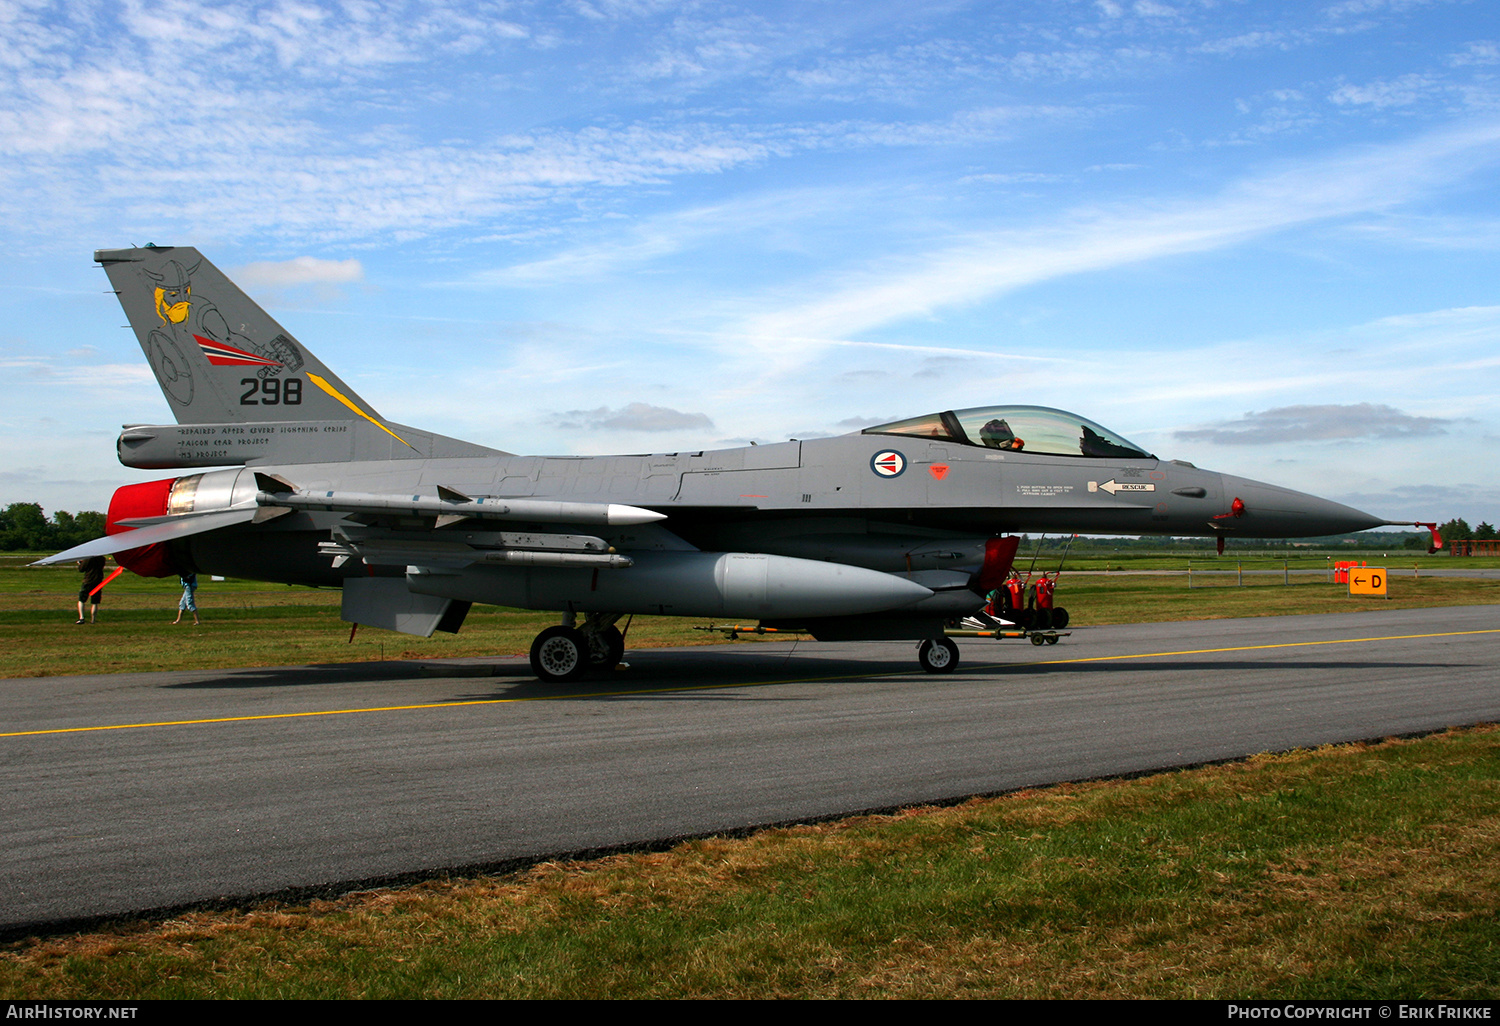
714	687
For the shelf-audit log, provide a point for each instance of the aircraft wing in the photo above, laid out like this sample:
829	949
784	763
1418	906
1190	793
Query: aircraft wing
141	537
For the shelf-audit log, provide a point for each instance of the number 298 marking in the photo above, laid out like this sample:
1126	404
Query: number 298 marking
273	392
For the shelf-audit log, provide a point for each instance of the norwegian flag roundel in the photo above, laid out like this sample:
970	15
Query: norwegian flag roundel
888	463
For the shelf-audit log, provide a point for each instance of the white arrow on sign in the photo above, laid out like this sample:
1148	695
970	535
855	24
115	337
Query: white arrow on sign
1111	486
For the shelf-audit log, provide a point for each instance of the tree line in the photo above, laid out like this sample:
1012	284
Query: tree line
1458	528
24	527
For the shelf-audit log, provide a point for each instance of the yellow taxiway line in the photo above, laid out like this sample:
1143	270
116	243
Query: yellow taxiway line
712	687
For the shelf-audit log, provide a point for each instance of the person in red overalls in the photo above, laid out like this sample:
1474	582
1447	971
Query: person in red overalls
1042	597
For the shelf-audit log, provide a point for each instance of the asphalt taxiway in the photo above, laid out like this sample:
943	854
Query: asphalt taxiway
129	792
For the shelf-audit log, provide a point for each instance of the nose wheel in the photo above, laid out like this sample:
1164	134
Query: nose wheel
938	655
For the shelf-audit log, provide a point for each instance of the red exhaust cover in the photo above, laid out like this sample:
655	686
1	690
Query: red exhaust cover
148	499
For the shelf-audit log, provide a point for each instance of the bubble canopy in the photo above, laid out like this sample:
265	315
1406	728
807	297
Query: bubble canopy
1038	429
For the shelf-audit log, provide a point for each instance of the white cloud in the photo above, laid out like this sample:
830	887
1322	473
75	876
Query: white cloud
632	417
1246	42
1485	52
860	423
1151	9
302	270
1399	92
1015	178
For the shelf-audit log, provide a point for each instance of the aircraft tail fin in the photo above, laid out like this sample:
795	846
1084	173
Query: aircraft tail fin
230	371
220	358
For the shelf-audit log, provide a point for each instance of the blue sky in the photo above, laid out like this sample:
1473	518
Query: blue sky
1262	237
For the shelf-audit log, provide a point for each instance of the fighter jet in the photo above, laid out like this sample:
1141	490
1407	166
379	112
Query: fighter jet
887	533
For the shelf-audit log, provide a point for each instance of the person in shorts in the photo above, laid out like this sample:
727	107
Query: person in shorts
90	592
187	604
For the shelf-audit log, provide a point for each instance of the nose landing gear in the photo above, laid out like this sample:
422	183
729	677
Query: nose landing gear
938	655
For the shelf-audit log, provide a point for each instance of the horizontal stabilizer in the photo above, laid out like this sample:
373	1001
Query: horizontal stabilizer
179	446
181	527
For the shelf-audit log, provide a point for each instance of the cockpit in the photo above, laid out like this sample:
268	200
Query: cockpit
1037	429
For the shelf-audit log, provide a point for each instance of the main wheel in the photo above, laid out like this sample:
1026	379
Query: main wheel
559	654
938	655
606	648
1059	618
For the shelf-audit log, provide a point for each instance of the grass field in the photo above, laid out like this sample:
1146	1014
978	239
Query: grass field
1349	872
247	623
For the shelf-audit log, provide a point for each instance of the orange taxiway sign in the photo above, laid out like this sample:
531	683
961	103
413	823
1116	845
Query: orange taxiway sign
1367	580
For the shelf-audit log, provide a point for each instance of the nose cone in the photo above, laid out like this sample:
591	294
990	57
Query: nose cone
1272	512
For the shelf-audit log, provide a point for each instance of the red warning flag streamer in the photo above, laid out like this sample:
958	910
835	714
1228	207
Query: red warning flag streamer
1236	509
100	586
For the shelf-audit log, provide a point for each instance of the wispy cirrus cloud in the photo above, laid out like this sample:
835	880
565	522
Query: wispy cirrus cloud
1367	181
320	123
328	188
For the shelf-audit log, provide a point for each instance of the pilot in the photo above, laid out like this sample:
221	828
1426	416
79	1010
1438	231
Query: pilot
1092	443
998	435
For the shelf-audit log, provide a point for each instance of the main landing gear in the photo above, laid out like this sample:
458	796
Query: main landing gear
565	652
